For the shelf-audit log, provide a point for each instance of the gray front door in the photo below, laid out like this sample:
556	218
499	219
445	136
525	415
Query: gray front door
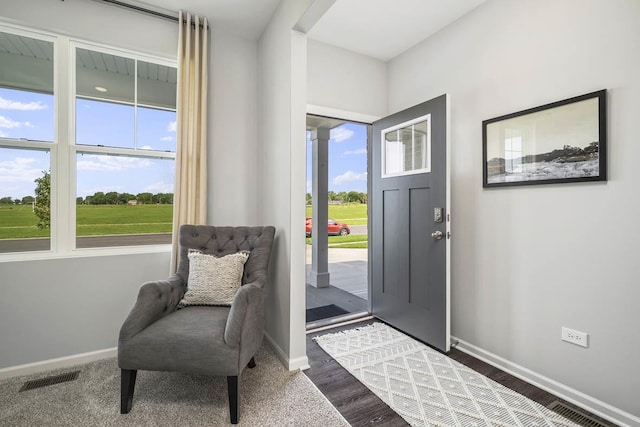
410	222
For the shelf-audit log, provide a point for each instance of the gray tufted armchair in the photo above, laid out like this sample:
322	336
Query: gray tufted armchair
157	336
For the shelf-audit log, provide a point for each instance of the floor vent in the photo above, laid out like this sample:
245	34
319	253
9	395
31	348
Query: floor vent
55	379
575	415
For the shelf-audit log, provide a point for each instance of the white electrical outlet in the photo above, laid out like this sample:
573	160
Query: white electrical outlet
575	337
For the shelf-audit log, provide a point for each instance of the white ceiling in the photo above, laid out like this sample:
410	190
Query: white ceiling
246	18
381	29
384	29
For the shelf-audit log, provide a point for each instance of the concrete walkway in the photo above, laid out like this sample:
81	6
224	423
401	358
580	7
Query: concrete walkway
348	280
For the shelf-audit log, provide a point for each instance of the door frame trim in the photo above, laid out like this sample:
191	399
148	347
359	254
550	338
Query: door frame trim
364	119
351	116
448	219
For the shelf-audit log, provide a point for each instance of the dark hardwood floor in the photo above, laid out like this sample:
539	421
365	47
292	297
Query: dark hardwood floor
360	407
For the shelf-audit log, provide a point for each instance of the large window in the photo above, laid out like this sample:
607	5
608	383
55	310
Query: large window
87	144
26	137
125	144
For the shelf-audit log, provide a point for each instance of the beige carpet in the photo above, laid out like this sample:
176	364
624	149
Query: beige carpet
269	396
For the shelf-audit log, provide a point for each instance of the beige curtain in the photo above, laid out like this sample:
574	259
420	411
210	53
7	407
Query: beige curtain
190	194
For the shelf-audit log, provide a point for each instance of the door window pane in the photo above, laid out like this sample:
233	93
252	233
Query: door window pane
24	212
407	149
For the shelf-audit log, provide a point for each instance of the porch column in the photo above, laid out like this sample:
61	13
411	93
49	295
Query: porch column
319	209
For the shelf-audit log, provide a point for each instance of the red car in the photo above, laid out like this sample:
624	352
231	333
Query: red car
334	228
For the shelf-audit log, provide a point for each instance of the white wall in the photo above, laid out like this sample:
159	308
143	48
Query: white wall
62	307
281	147
96	22
529	260
233	131
343	80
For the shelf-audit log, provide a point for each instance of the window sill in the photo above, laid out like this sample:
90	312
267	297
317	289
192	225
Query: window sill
84	253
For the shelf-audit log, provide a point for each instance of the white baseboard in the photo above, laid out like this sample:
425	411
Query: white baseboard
58	363
591	404
301	363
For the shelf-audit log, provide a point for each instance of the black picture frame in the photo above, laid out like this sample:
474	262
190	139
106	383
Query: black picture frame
551	144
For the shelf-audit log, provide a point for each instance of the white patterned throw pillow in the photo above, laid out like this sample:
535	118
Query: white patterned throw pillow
212	280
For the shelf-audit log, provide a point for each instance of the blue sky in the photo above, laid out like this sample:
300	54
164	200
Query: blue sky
29	115
347	158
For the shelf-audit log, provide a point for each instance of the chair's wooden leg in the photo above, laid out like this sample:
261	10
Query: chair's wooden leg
234	397
127	385
252	363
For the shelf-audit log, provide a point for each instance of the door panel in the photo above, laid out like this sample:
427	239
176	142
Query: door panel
391	241
409	182
418	269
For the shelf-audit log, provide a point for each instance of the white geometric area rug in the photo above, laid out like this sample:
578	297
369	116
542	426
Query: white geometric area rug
427	388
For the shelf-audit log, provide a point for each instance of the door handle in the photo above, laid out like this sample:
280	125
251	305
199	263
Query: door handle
437	234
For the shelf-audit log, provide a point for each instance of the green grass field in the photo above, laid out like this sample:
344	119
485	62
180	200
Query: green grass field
20	222
350	213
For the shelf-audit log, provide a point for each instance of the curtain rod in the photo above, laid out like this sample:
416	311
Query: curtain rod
145	10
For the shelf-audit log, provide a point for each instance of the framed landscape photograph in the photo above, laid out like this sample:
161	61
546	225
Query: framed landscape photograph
565	141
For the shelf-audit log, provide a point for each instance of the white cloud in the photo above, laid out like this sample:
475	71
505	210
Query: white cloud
7	123
7	104
340	134
350	176
111	163
166	139
20	169
159	187
309	187
172	126
3	134
146	147
358	151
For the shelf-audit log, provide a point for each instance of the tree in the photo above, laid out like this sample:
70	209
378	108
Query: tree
43	200
79	200
308	198
6	201
144	198
164	198
125	197
353	197
27	200
331	195
111	198
99	199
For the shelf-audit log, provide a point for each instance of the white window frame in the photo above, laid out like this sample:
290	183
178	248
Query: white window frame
63	150
427	148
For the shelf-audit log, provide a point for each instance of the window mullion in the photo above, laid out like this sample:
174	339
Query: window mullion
135	104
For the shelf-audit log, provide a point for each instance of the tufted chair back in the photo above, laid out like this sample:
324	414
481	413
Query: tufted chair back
221	241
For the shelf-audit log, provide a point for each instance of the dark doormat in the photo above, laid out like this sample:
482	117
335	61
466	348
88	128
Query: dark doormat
324	312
